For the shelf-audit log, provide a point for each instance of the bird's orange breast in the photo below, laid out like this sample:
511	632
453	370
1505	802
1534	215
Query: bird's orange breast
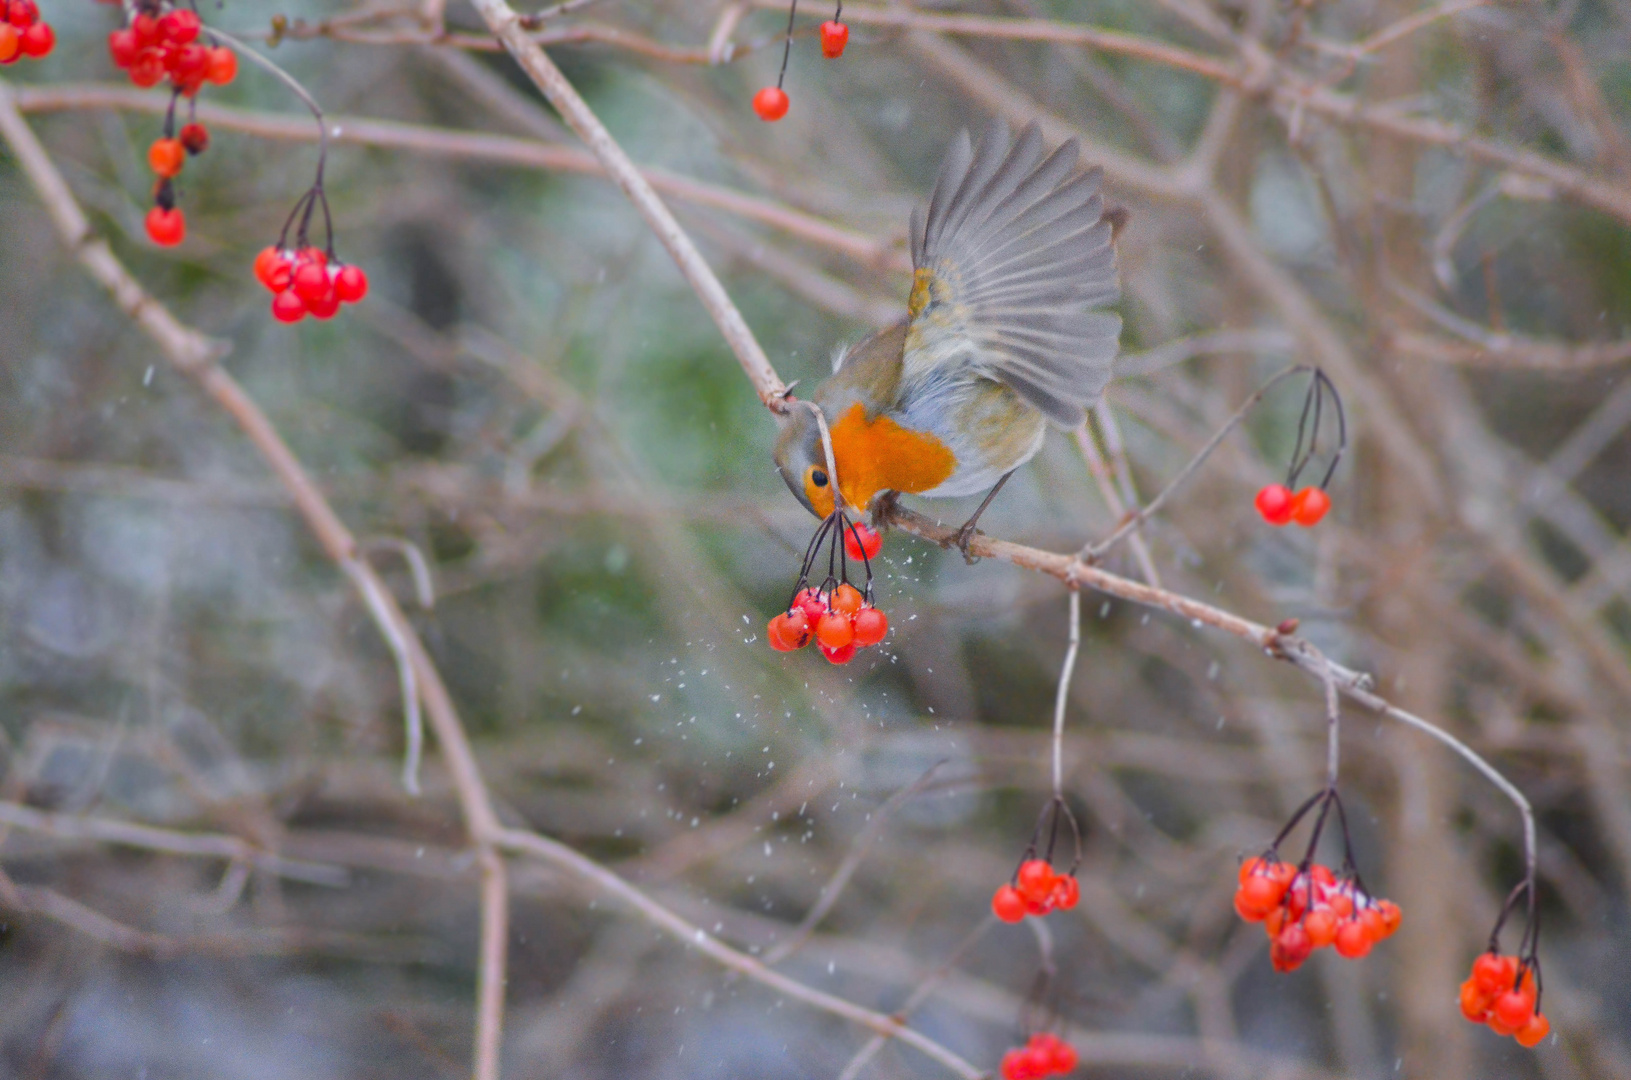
879	455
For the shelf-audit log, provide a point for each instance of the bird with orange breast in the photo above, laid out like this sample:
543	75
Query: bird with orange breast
1006	332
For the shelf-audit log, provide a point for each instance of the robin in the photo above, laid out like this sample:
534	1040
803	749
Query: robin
1013	263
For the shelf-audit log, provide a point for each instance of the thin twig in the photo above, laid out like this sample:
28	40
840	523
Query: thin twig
556	854
170	841
834	888
502	20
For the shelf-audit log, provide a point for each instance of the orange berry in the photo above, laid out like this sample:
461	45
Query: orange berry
222	66
1008	905
1352	941
789	631
11	43
1392	915
1375	926
847	599
1276	921
1308	506
1532	1032
1322	927
166	156
1341	904
1474	1001
834	631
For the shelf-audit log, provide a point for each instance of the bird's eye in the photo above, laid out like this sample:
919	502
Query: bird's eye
818	477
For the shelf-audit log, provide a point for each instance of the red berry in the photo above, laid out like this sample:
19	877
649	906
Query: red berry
146	29
1260	894
834	36
812	602
190	64
867	545
1035	879
313	255
166	156
288	307
1514	1008
1533	1031
147	69
325	306
871	626
839	656
195	137
1274	503
180	26
1011	1068
311	280
351	284
1064	1057
1352	941
22	13
770	103
122	48
272	269
1066	892
1008	905
1494	973
834	630
166	228
1308	506
1290	948
223	65
11	43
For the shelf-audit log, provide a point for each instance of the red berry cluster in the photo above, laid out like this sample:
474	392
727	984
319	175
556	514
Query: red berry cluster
162	41
1035	890
1045	1055
1501	993
1308	910
1279	506
1278	503
840	619
771	102
308	282
23	32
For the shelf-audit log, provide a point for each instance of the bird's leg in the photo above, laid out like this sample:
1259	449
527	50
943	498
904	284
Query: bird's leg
883	506
966	533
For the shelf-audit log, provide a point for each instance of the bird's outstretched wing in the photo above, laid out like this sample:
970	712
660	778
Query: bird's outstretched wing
1011	258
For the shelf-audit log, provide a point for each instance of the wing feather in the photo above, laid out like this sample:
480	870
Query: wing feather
1014	261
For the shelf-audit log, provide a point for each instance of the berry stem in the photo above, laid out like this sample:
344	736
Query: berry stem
1093	553
1067	669
787	50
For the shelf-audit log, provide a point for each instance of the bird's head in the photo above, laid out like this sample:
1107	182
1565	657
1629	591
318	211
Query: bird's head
802	462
